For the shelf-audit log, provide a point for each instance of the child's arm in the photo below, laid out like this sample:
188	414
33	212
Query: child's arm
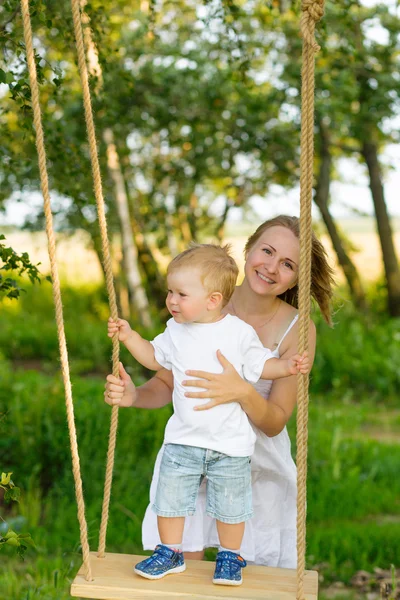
140	349
276	368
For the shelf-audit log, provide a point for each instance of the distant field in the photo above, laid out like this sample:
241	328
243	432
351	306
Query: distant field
79	264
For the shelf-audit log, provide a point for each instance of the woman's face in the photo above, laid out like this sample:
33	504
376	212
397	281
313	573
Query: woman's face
272	263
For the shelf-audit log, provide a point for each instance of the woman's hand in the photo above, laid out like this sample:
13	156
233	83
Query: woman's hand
120	392
222	388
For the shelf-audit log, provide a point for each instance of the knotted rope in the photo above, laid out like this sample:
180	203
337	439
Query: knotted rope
98	192
44	181
312	11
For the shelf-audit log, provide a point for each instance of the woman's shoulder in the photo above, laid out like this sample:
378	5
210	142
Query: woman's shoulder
289	327
287	317
290	314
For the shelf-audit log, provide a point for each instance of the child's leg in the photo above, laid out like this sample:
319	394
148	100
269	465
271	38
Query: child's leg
230	535
181	471
229	502
171	530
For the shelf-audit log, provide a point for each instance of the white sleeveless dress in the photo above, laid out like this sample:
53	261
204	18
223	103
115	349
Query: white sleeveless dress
270	536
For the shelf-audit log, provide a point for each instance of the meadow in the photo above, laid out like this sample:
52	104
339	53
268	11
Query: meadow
354	442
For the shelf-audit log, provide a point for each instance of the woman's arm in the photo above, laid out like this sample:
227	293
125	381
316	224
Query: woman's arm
272	415
155	393
269	415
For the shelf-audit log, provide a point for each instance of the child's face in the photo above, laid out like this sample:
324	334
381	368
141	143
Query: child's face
187	299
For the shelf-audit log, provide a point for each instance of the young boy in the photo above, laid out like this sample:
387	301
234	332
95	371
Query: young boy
218	443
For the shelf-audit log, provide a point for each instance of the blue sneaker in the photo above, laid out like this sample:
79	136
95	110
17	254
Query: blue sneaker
162	562
228	568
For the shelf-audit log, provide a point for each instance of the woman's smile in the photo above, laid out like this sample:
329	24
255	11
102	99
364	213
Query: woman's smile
265	278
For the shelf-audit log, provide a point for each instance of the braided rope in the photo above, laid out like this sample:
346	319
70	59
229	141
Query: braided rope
98	191
312	11
44	181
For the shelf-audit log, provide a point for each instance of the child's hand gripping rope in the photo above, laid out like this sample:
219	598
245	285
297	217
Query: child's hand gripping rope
121	327
299	363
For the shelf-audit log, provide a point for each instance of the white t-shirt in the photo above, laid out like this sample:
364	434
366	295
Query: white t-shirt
194	346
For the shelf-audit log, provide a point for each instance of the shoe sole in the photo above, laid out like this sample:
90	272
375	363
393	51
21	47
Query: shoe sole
227	582
170	572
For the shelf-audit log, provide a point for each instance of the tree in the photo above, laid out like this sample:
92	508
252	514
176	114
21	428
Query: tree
357	94
323	169
376	97
184	150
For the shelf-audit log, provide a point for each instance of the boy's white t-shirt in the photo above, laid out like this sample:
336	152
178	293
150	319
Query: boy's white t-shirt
193	346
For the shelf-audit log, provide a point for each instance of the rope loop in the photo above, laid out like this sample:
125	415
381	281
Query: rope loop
312	12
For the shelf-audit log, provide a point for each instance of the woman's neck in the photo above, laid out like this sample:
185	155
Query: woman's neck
249	304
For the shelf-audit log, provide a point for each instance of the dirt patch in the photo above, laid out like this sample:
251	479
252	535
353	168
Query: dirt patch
375	433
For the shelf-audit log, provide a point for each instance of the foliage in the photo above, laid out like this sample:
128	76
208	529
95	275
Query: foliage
85	311
9	537
188	159
359	355
9	288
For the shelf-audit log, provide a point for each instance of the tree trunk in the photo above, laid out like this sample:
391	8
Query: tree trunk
220	228
148	264
136	289
152	279
321	199
97	247
191	216
370	153
173	243
183	225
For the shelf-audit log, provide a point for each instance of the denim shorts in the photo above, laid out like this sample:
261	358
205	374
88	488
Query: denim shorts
228	484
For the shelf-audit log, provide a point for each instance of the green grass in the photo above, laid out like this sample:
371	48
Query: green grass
354	450
353	483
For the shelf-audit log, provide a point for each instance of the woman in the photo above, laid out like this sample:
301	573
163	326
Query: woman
267	300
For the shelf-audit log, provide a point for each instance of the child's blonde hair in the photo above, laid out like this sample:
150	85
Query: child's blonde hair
218	270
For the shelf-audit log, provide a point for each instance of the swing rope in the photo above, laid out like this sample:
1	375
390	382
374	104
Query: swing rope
98	191
44	181
312	12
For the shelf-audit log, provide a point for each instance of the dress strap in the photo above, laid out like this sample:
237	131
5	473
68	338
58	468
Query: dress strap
293	322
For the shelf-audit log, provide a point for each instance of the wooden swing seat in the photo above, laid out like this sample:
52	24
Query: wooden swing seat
114	579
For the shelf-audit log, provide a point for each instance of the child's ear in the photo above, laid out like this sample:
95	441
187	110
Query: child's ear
214	300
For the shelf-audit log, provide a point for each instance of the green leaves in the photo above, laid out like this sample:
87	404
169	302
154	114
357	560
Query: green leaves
11	492
20	541
20	263
5	478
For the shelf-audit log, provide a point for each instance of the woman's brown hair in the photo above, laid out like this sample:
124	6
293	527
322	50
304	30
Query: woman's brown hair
322	280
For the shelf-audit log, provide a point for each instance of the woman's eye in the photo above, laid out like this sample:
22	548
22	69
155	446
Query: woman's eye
267	250
183	295
288	265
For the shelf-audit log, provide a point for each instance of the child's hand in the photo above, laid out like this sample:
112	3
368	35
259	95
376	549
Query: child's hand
121	327
299	363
